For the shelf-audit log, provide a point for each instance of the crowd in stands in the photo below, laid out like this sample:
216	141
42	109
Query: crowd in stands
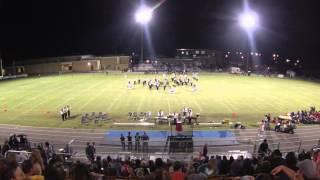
307	117
43	163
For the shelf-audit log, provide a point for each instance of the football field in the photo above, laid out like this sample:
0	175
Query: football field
36	101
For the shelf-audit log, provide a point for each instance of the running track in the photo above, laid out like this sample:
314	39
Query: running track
305	137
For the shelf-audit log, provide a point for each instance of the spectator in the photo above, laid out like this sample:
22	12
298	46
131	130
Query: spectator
5	147
308	168
209	169
140	169
56	170
235	167
48	149
126	169
27	168
177	172
265	167
194	174
246	168
264	148
80	172
94	148
291	161
276	159
96	166
90	152
224	169
158	170
205	150
9	170
37	162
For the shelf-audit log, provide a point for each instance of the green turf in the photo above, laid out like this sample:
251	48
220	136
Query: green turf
36	101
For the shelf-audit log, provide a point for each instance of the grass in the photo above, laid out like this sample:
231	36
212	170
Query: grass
36	101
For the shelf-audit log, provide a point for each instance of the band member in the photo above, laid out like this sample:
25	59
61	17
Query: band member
160	114
150	84
175	118
173	76
184	111
130	86
164	76
195	76
189	115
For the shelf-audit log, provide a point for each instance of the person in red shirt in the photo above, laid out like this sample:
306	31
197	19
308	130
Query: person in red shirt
177	172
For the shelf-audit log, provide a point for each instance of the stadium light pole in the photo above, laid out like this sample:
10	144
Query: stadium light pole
1	67
1	75
143	16
248	20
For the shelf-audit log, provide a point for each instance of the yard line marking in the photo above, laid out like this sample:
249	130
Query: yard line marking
115	100
30	109
42	93
92	97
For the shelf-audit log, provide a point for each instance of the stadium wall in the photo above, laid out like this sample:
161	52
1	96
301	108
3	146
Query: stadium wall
45	68
85	66
77	64
115	63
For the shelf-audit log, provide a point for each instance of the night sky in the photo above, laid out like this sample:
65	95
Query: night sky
34	29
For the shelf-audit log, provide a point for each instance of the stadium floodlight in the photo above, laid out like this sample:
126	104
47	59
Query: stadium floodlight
248	20
143	15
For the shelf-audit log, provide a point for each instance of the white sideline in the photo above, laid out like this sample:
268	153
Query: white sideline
134	124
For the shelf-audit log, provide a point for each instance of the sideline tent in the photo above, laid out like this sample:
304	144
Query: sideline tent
285	117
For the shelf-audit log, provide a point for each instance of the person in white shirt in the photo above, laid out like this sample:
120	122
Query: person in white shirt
194	88
62	114
189	115
68	108
65	112
175	118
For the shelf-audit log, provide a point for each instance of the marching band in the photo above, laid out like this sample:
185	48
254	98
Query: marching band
176	80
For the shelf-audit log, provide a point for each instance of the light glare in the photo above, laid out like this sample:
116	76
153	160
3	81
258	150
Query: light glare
248	20
143	15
